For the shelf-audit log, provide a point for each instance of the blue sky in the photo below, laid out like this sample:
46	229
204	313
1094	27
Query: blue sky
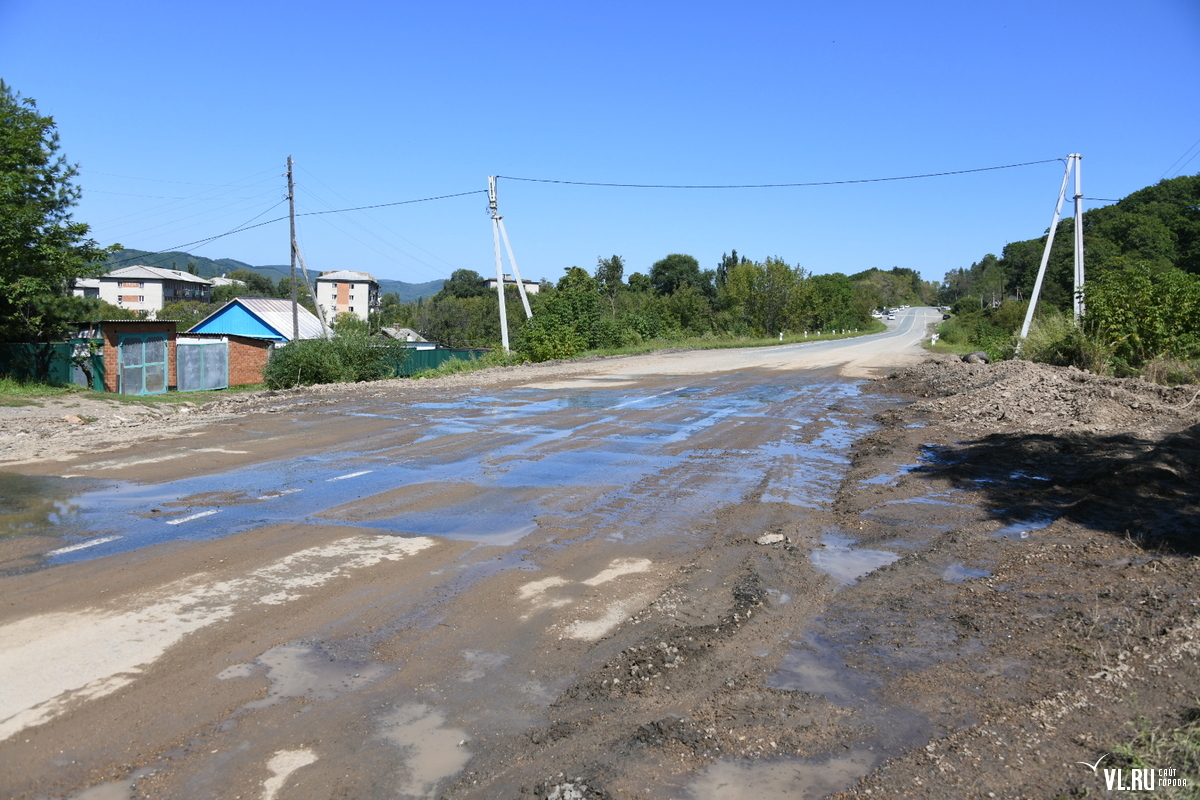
181	117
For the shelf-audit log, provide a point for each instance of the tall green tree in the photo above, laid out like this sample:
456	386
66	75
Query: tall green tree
42	250
609	272
672	272
463	283
256	285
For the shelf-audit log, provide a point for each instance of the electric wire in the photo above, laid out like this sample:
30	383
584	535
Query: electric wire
163	180
778	185
389	257
237	207
197	198
1185	163
385	228
201	242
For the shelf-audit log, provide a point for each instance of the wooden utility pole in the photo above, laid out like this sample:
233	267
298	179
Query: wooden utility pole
292	220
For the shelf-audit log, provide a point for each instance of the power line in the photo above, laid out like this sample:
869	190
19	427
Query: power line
777	185
1185	163
161	180
387	205
385	228
199	242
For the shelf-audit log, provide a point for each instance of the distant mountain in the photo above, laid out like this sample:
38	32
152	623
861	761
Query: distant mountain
208	268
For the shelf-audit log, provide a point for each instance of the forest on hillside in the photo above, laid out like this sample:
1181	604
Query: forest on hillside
1142	291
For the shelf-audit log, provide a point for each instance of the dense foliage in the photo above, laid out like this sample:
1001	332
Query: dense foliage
42	250
1142	294
348	357
672	300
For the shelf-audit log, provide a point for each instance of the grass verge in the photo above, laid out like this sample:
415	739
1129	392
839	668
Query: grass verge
1166	748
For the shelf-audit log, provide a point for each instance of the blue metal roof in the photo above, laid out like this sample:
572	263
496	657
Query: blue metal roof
260	318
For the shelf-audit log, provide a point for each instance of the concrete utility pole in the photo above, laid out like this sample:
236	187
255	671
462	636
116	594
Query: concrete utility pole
1079	277
498	230
292	220
1072	162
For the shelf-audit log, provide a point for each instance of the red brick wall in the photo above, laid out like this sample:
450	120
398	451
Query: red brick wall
247	360
111	332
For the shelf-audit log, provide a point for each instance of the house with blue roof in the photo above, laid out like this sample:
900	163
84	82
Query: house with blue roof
267	318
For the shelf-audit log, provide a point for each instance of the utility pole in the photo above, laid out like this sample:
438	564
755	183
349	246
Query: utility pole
1079	277
499	230
1072	163
292	220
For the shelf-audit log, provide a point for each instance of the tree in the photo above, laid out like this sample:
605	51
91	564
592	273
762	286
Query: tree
256	285
187	313
674	271
728	262
609	272
463	283
42	250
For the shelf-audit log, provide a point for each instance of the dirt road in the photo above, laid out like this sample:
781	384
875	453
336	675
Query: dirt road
706	575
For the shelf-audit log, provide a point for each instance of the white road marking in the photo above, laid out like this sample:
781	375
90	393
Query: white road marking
50	663
591	630
622	566
181	520
283	764
351	475
280	493
534	588
638	400
82	545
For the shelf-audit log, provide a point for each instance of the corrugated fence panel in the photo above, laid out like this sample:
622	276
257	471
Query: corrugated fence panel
419	360
58	363
200	367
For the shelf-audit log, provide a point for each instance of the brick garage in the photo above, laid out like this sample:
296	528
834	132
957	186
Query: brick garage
111	330
247	360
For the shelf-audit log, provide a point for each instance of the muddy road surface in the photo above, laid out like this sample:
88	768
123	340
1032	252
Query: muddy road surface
725	574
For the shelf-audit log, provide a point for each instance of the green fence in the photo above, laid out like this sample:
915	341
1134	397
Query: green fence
419	360
79	361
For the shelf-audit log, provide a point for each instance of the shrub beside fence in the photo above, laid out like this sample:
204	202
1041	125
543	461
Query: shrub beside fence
78	361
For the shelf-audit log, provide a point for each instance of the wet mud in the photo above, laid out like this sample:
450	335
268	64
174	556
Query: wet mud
561	593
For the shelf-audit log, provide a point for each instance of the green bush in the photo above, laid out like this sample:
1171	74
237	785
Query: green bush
342	359
1056	339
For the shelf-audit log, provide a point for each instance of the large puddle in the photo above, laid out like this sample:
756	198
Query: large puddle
489	469
816	667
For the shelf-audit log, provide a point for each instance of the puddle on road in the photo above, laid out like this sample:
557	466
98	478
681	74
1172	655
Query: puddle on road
304	671
957	572
835	555
524	441
35	505
117	790
1026	528
495	517
814	666
782	779
432	751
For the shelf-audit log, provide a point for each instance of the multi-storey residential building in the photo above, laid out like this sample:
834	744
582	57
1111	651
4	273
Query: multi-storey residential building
141	288
347	292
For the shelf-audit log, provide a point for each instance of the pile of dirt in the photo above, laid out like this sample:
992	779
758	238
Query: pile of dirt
1021	395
